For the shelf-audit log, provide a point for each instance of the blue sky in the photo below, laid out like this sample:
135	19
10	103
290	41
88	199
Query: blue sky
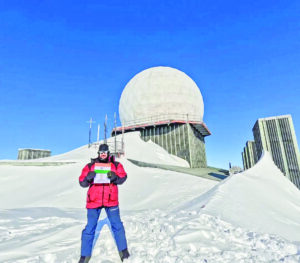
62	62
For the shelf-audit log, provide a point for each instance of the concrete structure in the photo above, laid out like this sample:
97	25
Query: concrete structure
235	170
249	155
166	106
26	154
277	136
183	139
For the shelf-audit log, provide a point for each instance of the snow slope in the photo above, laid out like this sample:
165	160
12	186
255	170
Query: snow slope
260	198
135	149
42	213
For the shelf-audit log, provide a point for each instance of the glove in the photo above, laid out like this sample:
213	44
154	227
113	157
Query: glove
112	176
90	176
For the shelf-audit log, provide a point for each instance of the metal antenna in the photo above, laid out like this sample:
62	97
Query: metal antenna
98	134
123	140
105	129
115	115
90	131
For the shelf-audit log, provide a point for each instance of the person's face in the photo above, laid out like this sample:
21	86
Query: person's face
103	154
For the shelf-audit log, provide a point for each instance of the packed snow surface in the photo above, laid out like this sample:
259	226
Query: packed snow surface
260	198
168	216
135	149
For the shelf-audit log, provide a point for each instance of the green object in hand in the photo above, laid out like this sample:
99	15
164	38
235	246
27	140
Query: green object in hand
110	174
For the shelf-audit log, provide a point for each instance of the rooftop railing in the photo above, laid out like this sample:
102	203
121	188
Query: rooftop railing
163	118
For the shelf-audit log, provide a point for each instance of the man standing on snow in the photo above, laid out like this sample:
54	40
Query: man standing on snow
102	175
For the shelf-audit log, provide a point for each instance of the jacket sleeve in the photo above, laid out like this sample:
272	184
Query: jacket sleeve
121	174
82	178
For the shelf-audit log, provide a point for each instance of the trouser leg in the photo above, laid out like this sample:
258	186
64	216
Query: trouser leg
88	233
113	214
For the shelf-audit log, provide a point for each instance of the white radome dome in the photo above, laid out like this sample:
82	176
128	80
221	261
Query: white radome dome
160	91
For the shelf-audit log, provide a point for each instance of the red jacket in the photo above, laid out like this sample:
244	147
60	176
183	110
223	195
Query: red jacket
102	194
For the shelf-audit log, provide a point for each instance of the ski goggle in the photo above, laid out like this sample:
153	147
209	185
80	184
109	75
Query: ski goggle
102	152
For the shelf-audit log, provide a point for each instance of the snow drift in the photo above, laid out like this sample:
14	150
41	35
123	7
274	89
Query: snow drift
260	198
135	148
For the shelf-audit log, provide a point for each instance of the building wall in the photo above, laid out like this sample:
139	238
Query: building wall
197	146
26	154
249	155
182	140
277	135
244	160
251	152
291	149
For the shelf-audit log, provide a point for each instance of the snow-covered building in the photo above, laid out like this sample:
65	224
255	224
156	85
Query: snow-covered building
249	155
167	107
277	136
26	154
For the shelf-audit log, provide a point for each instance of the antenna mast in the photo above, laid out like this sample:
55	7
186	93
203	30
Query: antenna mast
105	129
90	131
115	115
98	134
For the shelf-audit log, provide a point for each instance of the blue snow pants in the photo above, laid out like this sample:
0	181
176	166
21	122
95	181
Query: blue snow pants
88	234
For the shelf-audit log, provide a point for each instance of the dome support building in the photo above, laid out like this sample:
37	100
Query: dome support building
166	106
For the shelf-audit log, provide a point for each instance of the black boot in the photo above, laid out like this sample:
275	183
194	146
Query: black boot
124	254
84	259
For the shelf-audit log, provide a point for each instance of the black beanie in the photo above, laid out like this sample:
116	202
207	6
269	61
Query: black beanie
103	147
